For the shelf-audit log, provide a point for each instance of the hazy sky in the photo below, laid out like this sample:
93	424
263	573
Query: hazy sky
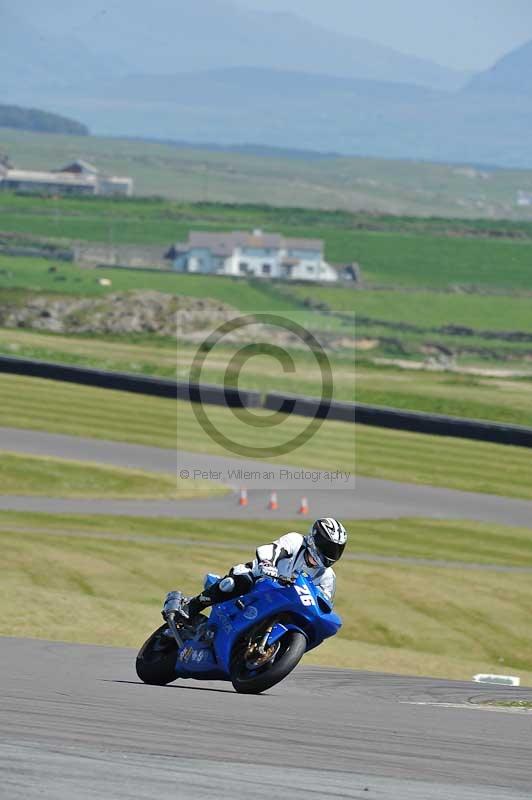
469	34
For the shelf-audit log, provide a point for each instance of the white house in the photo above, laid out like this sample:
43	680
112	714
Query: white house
105	184
78	177
256	254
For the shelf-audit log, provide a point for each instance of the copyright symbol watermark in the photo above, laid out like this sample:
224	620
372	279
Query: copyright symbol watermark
287	332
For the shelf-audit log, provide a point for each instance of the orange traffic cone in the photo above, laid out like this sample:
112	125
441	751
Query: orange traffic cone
273	504
303	508
243	498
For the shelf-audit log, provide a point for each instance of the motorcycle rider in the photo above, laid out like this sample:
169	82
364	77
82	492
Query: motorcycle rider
292	553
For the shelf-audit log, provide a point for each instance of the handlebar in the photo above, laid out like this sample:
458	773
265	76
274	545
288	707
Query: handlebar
285	581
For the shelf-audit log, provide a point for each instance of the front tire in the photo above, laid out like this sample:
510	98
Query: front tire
157	659
293	646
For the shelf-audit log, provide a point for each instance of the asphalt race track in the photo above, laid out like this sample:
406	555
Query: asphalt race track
75	722
370	498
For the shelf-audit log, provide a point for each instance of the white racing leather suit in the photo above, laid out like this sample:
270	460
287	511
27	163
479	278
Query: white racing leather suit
288	554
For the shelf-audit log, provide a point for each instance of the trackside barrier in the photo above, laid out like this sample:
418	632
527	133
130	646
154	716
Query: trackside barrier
126	382
310	407
415	421
378	416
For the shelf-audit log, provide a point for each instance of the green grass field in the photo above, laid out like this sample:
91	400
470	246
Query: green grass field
402	251
402	254
427	309
55	477
435	261
84	411
423	309
34	274
389	257
478	397
378	316
185	173
18	276
415	618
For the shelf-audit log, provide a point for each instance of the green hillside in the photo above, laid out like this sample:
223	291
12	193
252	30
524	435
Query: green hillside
33	119
193	174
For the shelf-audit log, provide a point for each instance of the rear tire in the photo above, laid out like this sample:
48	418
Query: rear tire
293	648
157	659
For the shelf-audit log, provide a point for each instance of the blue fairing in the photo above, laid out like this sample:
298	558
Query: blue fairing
301	606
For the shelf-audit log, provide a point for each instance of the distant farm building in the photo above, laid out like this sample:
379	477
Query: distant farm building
76	178
524	198
256	254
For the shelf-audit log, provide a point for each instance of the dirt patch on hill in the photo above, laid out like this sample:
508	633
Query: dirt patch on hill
117	313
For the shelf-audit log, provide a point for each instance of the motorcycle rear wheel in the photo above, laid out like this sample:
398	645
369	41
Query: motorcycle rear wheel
157	659
293	646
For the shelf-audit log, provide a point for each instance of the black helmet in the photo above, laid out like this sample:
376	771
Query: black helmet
326	541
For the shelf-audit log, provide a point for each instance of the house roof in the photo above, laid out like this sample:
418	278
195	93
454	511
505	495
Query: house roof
233	239
225	243
79	165
304	244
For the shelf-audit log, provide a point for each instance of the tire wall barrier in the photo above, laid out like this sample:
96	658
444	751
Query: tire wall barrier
125	382
397	419
414	421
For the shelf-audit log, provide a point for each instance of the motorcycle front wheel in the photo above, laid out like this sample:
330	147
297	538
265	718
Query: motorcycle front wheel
254	678
157	659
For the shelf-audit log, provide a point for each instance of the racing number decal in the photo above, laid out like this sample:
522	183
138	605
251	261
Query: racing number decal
305	595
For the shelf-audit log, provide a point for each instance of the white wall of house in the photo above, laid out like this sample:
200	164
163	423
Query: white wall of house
267	263
312	271
259	262
115	186
231	265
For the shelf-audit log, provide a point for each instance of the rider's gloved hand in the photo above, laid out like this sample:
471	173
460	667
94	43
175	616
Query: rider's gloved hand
267	570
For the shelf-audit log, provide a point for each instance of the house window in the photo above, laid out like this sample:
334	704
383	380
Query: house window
243	266
266	269
310	268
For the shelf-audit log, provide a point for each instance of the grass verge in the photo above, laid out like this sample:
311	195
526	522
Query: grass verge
476	397
57	477
413	619
526	705
57	407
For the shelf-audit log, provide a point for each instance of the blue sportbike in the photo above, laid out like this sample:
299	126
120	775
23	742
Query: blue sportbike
254	641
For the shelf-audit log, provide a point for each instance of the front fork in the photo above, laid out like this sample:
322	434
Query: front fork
256	650
264	641
170	618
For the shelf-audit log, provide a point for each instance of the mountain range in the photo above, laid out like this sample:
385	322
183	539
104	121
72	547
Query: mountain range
511	75
166	37
30	58
215	72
